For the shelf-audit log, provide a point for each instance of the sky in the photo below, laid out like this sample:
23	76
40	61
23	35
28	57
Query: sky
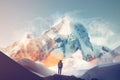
20	16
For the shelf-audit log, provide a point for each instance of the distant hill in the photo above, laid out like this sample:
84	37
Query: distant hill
104	72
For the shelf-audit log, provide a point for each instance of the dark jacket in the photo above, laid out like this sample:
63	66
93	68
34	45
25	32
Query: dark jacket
60	64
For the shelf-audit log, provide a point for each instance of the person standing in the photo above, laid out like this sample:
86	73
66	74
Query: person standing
60	65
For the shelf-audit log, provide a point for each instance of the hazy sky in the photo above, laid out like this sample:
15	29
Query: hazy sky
16	16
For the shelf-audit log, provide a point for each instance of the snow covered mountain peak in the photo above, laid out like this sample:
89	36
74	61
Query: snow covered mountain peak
63	26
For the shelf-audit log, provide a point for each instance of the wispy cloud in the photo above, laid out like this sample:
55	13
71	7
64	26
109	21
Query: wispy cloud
100	33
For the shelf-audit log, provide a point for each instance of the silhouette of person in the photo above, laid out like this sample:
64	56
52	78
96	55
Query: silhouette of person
60	65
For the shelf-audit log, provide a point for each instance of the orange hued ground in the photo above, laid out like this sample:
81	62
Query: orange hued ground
52	59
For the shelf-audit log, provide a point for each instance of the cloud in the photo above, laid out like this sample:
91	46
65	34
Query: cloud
100	32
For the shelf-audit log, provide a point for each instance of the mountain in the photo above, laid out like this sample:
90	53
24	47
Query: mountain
64	35
104	72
